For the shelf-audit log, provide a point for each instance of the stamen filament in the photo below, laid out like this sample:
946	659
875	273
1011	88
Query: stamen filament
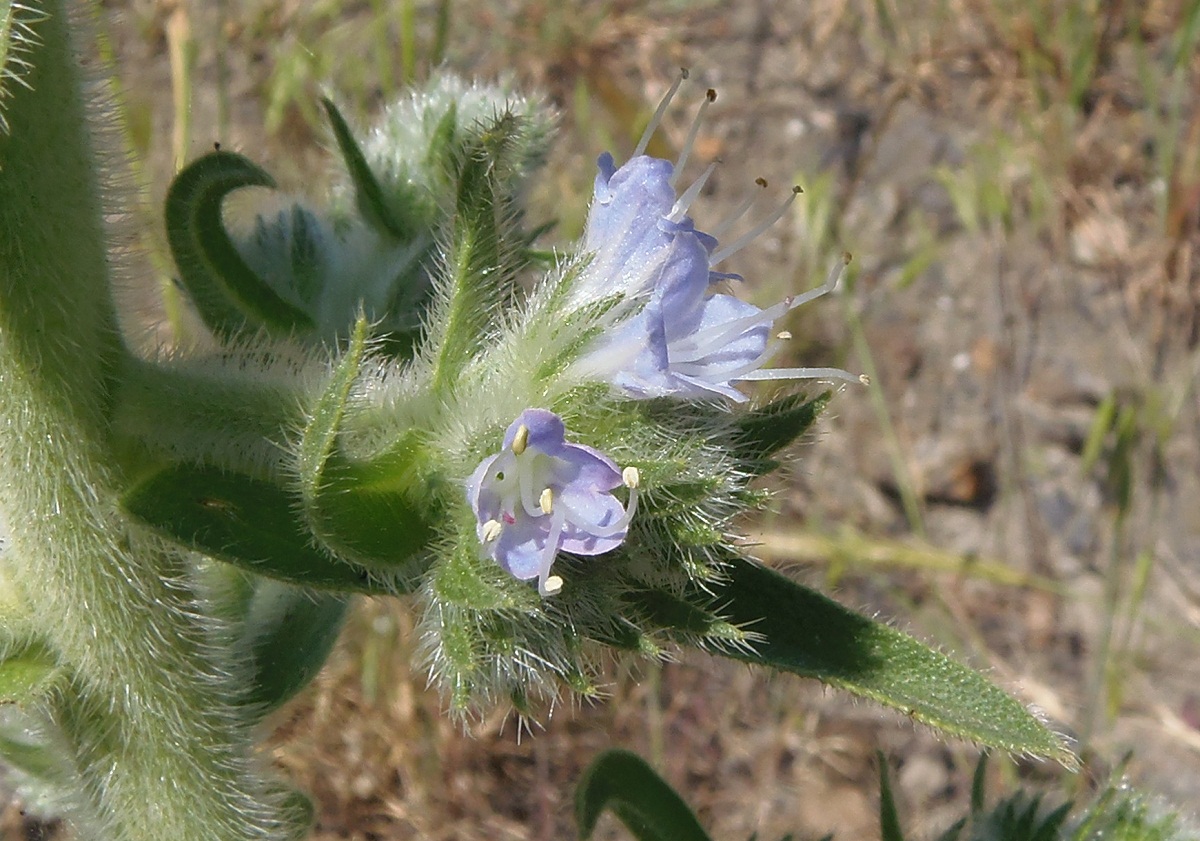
746	204
684	202
703	342
710	97
656	120
801	374
752	234
547	585
832	281
532	504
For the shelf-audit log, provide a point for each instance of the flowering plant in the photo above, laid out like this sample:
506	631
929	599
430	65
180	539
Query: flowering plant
378	408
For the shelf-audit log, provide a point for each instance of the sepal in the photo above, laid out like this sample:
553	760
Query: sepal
766	430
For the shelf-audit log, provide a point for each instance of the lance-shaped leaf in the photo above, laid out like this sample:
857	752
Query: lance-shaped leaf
368	194
482	255
229	296
289	632
370	512
243	521
765	431
804	632
642	800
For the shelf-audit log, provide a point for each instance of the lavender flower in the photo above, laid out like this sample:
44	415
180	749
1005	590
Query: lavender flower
670	336
540	495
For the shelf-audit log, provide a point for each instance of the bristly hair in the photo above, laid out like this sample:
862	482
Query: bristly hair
17	37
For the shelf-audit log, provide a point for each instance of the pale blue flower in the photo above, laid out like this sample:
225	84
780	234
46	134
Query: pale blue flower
540	495
669	335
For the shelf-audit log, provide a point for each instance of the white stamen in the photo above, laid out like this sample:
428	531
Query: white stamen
684	202
545	579
521	439
801	374
546	501
832	281
783	335
628	475
492	530
656	120
746	204
531	504
710	97
704	342
752	234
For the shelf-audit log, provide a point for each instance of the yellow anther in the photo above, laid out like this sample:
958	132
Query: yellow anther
783	335
631	477
546	501
491	530
864	379
521	439
553	584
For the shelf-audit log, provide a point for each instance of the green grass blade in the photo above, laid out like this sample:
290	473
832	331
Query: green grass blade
889	818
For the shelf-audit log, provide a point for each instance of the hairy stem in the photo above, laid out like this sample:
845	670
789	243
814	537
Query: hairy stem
147	715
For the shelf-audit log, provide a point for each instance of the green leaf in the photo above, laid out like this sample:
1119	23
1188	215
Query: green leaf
371	512
807	633
479	263
369	196
290	631
642	800
766	430
229	296
243	521
40	770
25	671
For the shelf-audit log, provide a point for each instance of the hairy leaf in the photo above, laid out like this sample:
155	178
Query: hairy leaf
807	633
367	193
649	808
229	296
243	521
290	631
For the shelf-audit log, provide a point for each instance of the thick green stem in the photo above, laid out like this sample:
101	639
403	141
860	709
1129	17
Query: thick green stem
147	714
222	413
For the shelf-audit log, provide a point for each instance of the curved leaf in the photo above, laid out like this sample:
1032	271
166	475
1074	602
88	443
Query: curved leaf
228	294
809	634
649	808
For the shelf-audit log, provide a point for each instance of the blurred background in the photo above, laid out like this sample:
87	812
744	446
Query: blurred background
1019	184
